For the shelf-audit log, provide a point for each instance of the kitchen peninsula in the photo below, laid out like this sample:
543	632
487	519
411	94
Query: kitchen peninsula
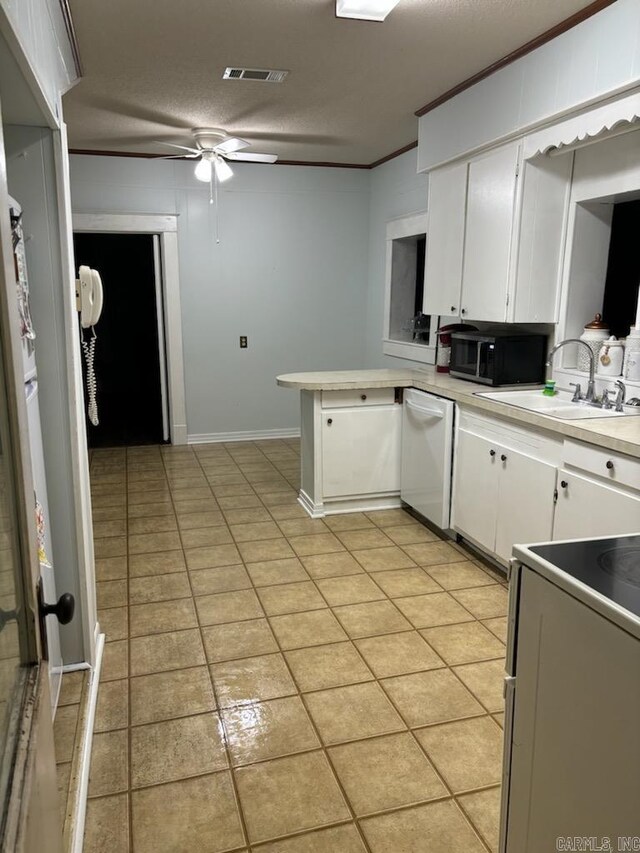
351	423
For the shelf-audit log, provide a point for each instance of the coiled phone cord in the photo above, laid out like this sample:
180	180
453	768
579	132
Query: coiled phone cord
89	350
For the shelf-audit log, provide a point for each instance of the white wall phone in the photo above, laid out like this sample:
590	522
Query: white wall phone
89	301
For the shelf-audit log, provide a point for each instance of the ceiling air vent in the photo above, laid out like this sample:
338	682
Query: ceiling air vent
263	75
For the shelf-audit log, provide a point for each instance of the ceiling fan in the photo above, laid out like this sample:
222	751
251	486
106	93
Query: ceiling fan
213	147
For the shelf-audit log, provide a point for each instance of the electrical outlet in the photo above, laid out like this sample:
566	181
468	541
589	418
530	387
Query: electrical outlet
243	341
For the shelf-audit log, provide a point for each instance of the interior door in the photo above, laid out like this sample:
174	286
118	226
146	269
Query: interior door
129	370
28	792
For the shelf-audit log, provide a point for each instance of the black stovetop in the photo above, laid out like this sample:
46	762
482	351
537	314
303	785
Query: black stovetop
609	566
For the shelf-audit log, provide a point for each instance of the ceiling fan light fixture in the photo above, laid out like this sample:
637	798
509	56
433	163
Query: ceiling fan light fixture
203	170
365	10
223	170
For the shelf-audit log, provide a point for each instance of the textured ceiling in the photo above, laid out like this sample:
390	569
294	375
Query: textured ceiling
153	70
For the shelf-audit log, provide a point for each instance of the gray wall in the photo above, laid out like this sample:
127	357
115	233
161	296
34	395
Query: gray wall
290	272
396	190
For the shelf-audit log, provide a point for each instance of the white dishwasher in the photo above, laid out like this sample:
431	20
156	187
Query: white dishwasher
427	442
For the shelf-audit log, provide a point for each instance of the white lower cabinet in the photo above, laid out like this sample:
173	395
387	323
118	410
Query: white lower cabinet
598	493
588	507
475	490
350	446
504	485
361	450
525	502
518	486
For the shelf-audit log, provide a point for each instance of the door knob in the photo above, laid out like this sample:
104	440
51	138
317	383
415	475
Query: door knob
609	464
452	309
563	484
329	421
503	458
7	616
492	453
363	396
63	610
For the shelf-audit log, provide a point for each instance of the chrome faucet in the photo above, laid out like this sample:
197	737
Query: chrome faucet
622	393
590	396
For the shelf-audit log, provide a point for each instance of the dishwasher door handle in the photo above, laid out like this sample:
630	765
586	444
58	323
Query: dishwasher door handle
422	411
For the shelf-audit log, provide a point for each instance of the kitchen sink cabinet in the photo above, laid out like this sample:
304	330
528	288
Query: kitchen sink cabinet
475	490
587	508
598	494
504	485
350	446
495	236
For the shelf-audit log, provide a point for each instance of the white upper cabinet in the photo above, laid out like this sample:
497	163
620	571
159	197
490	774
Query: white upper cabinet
495	237
546	186
491	209
445	240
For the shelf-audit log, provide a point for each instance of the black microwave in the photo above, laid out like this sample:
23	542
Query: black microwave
499	358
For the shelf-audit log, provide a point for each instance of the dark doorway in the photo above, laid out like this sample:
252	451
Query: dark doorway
623	270
127	353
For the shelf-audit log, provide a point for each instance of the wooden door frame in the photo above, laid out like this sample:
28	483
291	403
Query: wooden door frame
166	227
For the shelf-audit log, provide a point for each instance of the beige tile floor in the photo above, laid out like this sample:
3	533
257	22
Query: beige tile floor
280	684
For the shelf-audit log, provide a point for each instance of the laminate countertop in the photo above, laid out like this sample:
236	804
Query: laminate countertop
617	434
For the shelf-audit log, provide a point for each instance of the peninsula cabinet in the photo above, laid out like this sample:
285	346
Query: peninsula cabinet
351	442
495	236
504	483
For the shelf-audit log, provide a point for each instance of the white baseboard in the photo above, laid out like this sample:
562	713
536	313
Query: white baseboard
179	434
246	435
82	787
340	506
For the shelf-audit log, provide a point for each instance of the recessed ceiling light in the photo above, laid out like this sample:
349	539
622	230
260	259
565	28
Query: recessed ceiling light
365	10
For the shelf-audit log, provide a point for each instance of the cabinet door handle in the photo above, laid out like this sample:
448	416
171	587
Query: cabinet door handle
363	396
503	457
609	464
453	309
563	484
463	311
492	453
329	421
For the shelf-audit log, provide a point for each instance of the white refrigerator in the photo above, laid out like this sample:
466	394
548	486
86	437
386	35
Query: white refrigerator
40	502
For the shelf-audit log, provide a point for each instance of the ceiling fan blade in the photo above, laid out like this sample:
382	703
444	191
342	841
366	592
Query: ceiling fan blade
231	145
182	147
252	158
178	157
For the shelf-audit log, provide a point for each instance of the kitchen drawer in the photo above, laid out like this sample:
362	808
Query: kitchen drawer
360	397
510	436
603	463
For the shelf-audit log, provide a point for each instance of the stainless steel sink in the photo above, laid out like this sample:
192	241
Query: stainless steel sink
558	406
